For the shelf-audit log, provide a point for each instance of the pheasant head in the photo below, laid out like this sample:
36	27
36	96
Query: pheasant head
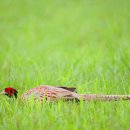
10	92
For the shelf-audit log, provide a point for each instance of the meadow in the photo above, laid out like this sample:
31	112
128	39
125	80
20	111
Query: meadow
83	44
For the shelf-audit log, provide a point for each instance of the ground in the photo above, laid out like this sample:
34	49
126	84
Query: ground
81	43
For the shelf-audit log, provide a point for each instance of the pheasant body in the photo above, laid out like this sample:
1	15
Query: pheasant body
50	93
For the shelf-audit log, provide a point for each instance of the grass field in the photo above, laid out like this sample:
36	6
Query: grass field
80	43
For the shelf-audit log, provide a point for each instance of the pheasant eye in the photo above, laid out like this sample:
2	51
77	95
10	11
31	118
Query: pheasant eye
11	91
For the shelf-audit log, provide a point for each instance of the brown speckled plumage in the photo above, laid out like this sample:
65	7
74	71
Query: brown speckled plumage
50	93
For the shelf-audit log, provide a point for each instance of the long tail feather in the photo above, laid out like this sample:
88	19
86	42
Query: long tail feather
96	97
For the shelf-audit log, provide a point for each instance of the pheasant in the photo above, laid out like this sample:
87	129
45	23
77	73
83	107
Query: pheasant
52	93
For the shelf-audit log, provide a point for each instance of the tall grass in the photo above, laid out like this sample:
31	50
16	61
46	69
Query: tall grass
65	43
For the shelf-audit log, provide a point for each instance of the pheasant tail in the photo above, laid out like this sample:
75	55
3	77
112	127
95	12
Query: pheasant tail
95	97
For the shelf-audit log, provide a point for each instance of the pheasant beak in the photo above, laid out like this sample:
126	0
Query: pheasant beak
3	92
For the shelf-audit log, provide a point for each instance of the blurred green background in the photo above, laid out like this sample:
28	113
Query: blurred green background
82	43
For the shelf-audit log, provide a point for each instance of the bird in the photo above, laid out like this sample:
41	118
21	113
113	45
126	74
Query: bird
56	93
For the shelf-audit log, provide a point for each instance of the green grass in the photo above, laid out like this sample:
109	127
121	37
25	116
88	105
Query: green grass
80	43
